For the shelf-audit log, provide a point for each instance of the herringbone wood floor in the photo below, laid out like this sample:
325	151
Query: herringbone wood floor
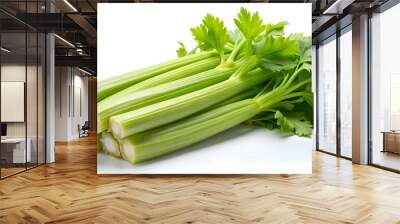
69	191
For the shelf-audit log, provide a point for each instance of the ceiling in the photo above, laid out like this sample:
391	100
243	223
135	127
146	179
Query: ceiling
74	22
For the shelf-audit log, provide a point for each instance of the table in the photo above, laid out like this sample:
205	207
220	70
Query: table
17	150
391	141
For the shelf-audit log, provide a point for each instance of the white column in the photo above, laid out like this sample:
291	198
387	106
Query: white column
50	92
360	90
50	99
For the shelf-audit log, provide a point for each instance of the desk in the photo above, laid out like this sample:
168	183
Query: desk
17	150
391	141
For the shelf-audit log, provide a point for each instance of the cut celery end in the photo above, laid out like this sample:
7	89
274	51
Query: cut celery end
177	108
128	152
114	84
110	144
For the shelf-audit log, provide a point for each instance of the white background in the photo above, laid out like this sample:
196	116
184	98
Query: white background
131	36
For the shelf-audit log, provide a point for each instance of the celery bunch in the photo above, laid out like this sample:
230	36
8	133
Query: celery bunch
255	75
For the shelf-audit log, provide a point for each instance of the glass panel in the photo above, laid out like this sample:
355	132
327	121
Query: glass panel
314	82
23	90
13	86
31	98
32	89
346	94
385	87
327	96
41	98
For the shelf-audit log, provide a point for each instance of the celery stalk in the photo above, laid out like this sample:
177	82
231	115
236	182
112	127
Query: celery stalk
174	109
110	144
107	108
250	93
99	143
160	141
114	84
174	136
181	72
172	75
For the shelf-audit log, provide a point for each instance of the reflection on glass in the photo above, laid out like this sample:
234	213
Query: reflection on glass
41	99
327	96
385	89
31	101
22	91
14	153
346	94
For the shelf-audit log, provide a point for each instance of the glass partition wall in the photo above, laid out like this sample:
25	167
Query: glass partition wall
334	84
345	61
22	77
13	94
327	95
385	90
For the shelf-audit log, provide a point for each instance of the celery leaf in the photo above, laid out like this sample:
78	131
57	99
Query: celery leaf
293	123
275	30
277	53
251	25
181	51
211	34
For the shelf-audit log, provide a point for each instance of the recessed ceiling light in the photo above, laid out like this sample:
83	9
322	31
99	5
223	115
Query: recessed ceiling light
5	50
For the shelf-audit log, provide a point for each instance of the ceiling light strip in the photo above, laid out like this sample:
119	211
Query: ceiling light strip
337	7
5	50
70	5
64	40
84	71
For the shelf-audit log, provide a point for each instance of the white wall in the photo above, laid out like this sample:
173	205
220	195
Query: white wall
70	82
17	72
62	82
12	73
79	117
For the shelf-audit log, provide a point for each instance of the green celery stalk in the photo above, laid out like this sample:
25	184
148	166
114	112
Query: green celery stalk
99	143
110	144
172	75
250	93
157	142
107	108
114	84
174	109
174	136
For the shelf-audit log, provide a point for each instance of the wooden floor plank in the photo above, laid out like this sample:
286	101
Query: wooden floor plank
70	191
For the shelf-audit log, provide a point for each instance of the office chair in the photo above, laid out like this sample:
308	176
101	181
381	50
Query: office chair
84	130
